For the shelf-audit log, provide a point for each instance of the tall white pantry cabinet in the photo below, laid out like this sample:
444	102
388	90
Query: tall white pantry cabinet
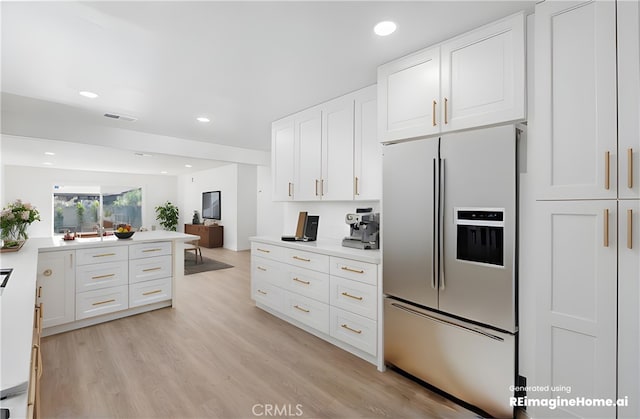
585	148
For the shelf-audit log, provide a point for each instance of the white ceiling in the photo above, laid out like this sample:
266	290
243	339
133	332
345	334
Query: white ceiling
242	64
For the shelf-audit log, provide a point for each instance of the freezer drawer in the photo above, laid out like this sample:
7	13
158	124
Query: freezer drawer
474	364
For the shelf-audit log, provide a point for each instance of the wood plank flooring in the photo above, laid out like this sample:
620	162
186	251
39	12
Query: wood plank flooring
215	355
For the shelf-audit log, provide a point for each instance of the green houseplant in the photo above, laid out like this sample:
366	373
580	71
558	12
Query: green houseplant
167	215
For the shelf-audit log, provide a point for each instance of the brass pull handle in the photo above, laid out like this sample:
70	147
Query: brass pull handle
103	302
101	255
344	326
40	366
446	102
151	250
316	187
630	168
321	187
262	292
629	228
346	294
290	185
606	228
607	158
357	193
301	281
151	269
433	113
348	269
260	268
300	308
263	250
47	272
302	259
151	292
39	292
102	276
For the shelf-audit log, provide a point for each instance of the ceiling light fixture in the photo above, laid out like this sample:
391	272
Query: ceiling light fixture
88	94
188	165
49	153
385	28
164	172
203	119
47	163
143	154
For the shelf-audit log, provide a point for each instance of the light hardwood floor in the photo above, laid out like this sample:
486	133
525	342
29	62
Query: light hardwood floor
215	355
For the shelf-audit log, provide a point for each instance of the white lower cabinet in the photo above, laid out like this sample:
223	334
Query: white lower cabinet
101	275
147	292
336	298
149	268
56	287
104	301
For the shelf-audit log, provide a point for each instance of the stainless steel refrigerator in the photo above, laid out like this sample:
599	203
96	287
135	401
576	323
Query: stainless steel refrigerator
449	231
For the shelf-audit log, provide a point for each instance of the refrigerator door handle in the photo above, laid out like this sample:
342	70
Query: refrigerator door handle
441	222
435	218
459	326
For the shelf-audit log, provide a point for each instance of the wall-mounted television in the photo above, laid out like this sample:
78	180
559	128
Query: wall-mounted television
211	205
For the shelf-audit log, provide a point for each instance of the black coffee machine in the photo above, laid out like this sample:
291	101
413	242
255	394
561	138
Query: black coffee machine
365	229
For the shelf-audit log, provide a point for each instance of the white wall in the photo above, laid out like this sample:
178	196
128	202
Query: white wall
269	221
35	185
247	202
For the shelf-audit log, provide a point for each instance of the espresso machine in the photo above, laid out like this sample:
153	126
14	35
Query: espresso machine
365	229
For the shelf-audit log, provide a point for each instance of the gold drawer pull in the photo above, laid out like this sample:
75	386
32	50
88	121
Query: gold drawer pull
433	113
607	171
301	281
446	105
606	228
302	259
262	269
300	308
344	326
630	168
103	302
629	228
357	192
358	271
151	292
39	292
346	294
101	255
157	249
47	272
151	269
262	292
263	250
103	276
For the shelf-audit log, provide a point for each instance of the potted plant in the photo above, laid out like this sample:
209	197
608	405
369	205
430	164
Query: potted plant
167	215
14	220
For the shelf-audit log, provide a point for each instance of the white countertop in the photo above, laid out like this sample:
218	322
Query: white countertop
330	247
19	297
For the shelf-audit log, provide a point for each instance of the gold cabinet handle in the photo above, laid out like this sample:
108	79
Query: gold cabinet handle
263	250
40	366
607	175
262	292
356	184
321	187
302	259
630	168
47	272
103	302
348	269
606	228
346	294
103	276
260	268
102	255
290	185
629	228
297	307
446	105
301	281
152	269
151	250
39	292
151	292
344	326
433	113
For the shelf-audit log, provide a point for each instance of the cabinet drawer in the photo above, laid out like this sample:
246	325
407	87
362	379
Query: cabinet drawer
311	284
352	269
149	292
355	330
101	275
354	296
308	260
267	294
101	254
308	311
267	251
95	303
268	270
147	250
149	268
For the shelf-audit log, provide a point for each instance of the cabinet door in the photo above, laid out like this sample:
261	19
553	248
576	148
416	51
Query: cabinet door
367	159
628	308
56	287
575	100
337	150
629	98
408	91
282	159
482	76
308	130
577	286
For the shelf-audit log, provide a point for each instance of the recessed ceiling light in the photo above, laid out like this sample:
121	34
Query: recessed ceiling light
203	119
143	155
49	153
88	94
188	165
47	163
164	172
385	28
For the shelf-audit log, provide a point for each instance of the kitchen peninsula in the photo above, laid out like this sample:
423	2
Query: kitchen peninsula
22	326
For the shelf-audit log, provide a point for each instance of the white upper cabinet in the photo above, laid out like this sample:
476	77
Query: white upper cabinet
337	149
408	95
483	76
367	150
282	159
575	100
308	163
629	98
474	80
